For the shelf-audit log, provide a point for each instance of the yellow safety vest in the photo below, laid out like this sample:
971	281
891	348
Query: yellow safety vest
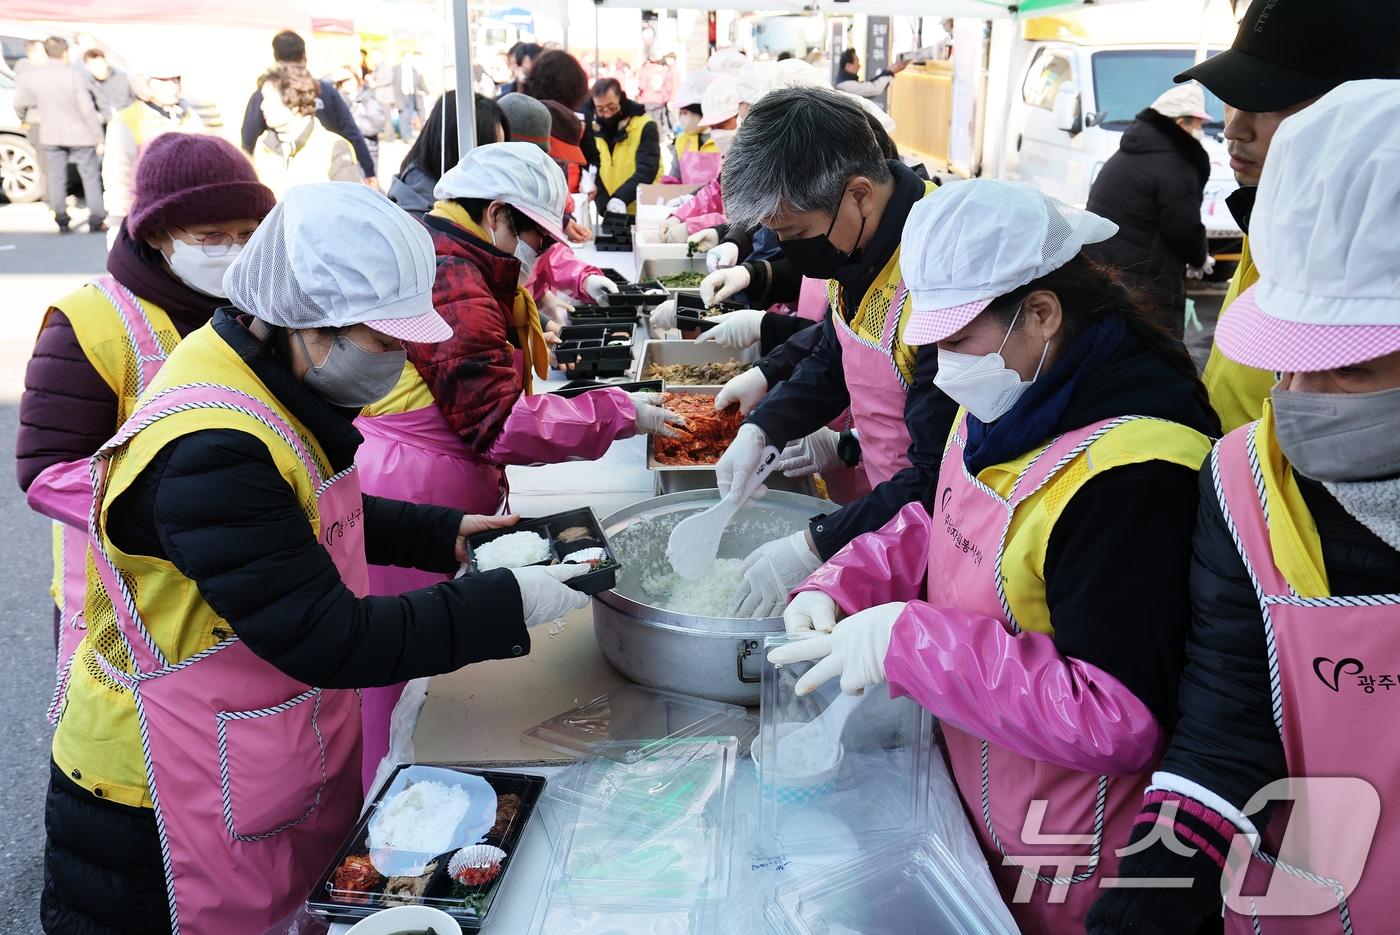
98	741
408	395
1023	557
1237	392
693	141
617	165
104	341
1293	532
146	123
869	320
311	163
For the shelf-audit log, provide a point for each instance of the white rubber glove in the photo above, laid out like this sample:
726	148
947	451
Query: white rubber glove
723	283
663	318
700	241
736	330
556	307
680	201
810	613
1202	271
653	418
598	286
721	257
747	389
673	231
617	206
740	462
589	183
770	572
815	454
855	650
543	595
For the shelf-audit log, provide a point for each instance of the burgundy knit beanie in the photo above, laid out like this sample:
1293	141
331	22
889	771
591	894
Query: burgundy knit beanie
183	179
565	124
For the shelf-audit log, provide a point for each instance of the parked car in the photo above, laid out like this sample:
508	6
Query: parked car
20	176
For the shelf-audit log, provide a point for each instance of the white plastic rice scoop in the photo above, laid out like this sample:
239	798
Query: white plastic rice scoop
694	542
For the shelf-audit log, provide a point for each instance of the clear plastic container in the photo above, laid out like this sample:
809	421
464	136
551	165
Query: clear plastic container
635	713
871	792
912	885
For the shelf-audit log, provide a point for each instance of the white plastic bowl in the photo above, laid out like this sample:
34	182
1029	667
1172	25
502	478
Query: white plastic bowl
798	789
407	919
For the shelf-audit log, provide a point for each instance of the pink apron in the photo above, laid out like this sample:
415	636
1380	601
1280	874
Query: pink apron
1337	659
877	392
416	457
251	772
49	495
998	786
699	168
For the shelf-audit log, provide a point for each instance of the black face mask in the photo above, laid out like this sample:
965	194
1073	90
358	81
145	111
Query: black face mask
816	257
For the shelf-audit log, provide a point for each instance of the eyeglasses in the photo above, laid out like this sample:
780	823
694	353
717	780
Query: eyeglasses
218	244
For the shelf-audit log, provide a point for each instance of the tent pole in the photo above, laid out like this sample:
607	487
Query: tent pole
466	94
597	46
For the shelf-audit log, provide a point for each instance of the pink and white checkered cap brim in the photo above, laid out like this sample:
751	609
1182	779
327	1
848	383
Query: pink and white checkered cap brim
930	327
1250	336
428	328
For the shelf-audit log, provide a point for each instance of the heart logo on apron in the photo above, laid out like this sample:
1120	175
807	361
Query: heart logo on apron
1339	669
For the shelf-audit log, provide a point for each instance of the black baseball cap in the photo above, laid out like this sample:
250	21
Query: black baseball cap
1289	51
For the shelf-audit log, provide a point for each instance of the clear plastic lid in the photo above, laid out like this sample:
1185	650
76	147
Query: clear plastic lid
837	794
912	885
637	714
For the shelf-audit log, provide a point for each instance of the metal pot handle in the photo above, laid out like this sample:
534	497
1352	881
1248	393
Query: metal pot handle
746	649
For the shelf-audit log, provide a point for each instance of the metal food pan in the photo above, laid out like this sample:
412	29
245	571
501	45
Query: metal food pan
655	268
670	353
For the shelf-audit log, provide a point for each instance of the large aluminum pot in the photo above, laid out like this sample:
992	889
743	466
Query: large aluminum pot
713	657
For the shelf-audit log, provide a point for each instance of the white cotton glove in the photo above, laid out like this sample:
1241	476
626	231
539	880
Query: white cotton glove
736	330
673	231
855	650
747	389
811	613
740	462
700	241
722	257
815	454
617	206
555	307
652	417
1202	271
589	183
680	201
544	596
596	287
663	318
723	283
770	572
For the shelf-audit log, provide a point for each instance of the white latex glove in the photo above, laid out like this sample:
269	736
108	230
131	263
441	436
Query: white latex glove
663	318
855	650
589	183
673	231
747	389
653	418
700	241
735	330
721	257
556	307
770	572
811	613
1202	271
617	206
544	596
815	454
740	461
723	283
598	286
680	201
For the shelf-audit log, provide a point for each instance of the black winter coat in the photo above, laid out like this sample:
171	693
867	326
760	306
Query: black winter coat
1152	189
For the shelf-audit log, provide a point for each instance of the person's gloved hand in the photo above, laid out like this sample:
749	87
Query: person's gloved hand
543	595
723	283
598	286
673	230
747	389
855	650
555	307
700	241
680	201
815	454
810	613
663	318
652	417
588	184
735	330
770	572
617	206
1202	271
740	461
471	525
722	257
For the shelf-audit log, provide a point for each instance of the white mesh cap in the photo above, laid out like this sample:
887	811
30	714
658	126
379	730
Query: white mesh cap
971	241
727	61
692	89
721	101
520	174
335	254
755	80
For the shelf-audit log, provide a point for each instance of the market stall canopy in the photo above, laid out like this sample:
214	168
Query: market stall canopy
248	14
749	6
976	9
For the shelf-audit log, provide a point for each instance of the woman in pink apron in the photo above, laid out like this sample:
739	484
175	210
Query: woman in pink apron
205	764
1035	601
1279	789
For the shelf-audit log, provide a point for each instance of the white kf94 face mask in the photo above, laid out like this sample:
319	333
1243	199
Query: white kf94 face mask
982	383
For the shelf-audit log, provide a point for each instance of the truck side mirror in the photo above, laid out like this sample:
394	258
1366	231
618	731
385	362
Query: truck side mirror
1067	116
